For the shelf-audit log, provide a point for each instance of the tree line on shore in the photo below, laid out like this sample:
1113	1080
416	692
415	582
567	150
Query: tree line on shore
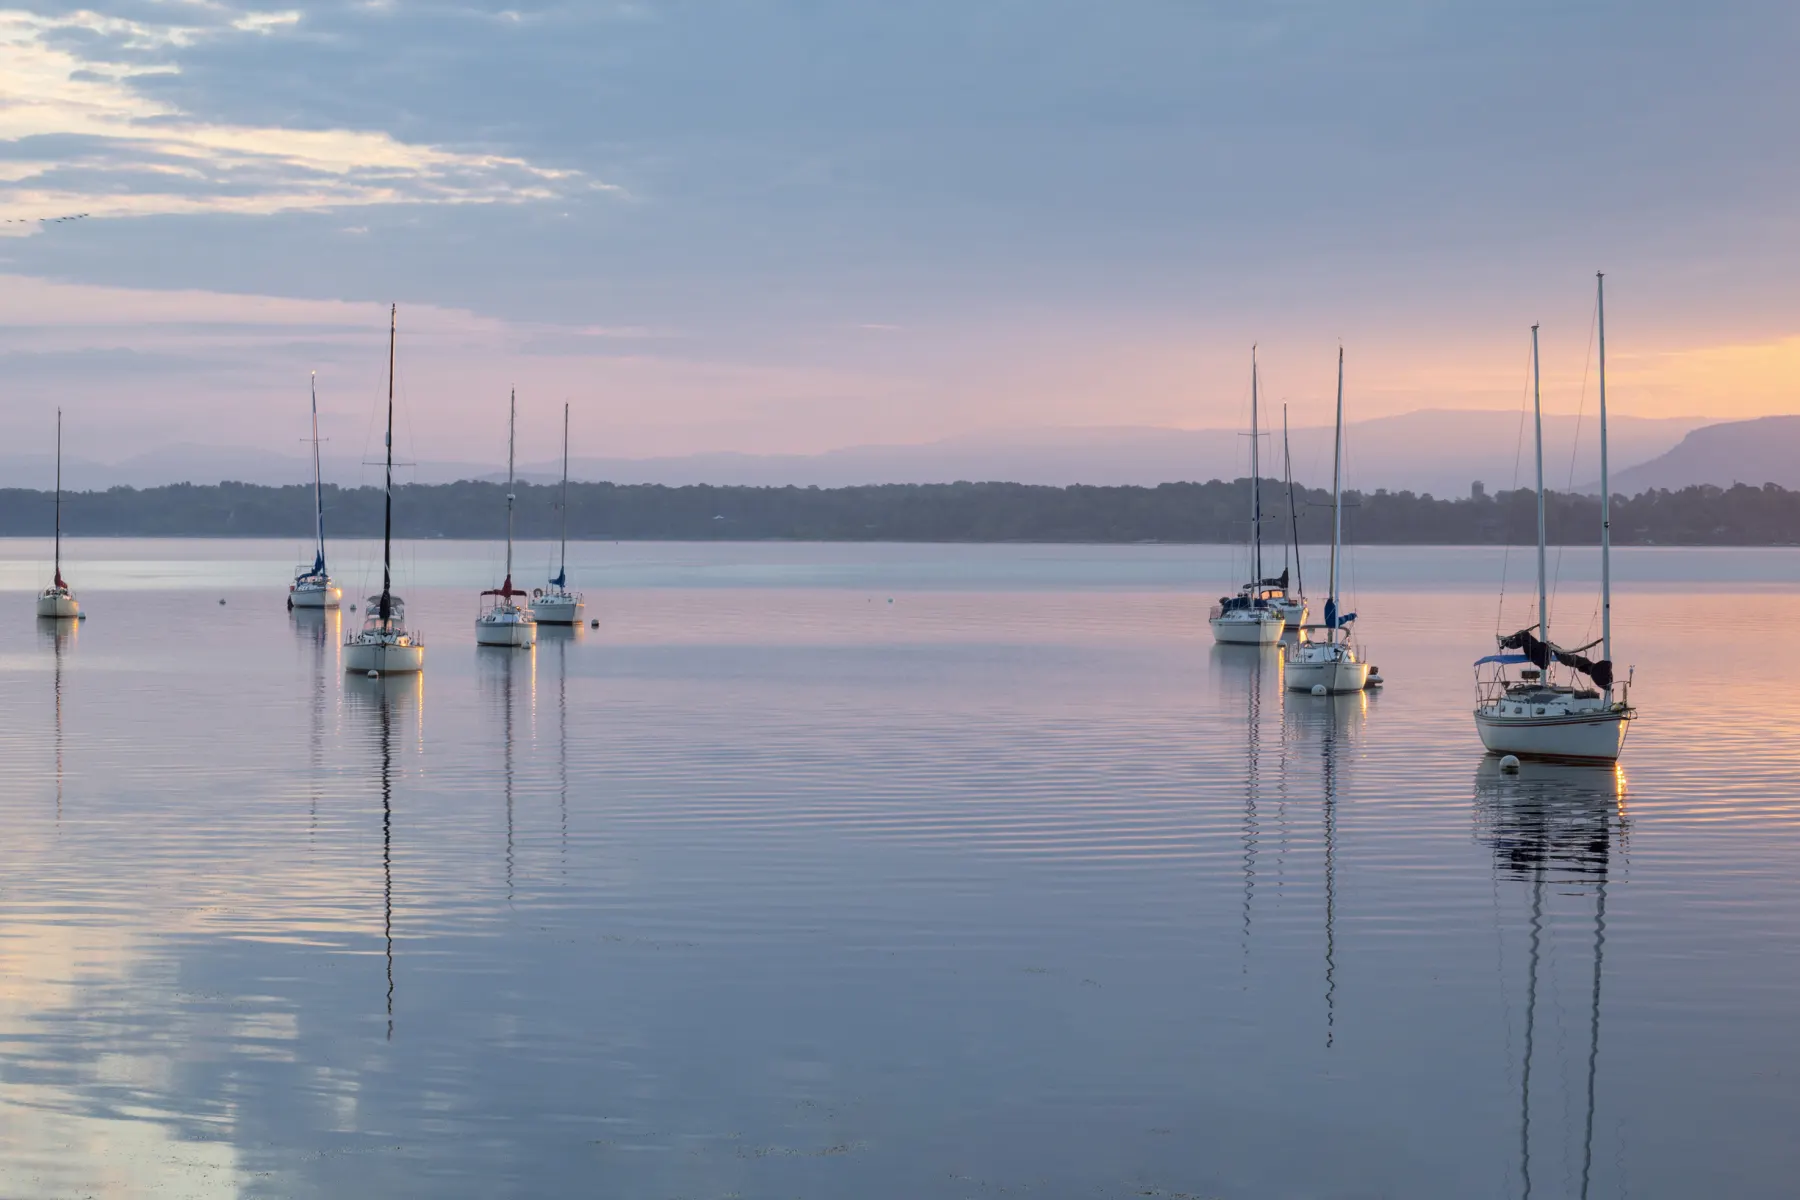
1217	511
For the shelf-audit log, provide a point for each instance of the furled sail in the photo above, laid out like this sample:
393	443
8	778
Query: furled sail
1540	653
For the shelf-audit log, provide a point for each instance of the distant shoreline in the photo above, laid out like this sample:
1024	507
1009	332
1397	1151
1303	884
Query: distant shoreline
1178	514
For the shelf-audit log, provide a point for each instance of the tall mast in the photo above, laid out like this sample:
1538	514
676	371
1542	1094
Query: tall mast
562	566
1605	491
59	581
512	417
1337	500
1255	484
318	487
1293	513
387	520
1537	413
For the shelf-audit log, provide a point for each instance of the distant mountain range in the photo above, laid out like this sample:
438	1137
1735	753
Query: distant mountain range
1765	450
1440	451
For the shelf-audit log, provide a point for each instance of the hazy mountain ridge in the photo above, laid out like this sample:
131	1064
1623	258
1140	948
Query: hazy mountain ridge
1754	452
1440	451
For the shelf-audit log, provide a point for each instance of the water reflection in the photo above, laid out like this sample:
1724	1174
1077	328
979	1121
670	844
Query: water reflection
1554	828
564	635
1243	674
316	630
504	671
61	633
1329	724
385	708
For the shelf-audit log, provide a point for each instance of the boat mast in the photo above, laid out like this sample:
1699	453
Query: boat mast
1255	485
58	568
1537	413
1605	491
318	487
1337	498
387	519
562	565
1287	457
512	411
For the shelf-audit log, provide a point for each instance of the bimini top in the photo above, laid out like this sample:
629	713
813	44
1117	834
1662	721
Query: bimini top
372	614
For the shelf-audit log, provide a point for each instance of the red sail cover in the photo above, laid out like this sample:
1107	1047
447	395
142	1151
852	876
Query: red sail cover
506	589
60	583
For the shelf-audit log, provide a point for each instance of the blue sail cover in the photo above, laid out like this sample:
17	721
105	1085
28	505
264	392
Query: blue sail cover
319	564
1332	620
561	580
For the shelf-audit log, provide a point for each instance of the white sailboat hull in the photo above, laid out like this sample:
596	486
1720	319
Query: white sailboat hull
1263	629
1340	676
59	605
557	610
315	597
1591	735
384	658
1292	611
518	632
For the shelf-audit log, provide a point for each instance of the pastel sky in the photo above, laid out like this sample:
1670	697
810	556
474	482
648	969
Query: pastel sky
791	225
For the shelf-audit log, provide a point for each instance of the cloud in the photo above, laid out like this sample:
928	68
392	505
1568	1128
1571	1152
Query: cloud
80	132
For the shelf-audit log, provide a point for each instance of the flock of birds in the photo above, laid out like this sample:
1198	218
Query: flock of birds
43	220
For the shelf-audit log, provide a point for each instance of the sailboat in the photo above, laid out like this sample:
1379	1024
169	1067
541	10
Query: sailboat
384	645
57	600
1533	715
1251	618
1335	663
312	586
503	623
556	604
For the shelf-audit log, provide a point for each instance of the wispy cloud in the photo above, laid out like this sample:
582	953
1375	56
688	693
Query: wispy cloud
78	133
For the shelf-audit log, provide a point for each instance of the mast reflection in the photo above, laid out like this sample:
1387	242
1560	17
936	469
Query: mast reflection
316	629
391	704
505	670
61	634
1243	672
561	636
1331	723
1555	827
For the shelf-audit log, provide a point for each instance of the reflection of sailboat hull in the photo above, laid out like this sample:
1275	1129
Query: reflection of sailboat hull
383	657
315	597
58	605
1595	735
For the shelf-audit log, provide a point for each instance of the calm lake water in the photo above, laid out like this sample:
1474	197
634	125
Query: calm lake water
890	872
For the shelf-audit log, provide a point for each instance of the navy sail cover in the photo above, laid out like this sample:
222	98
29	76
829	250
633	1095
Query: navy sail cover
1540	653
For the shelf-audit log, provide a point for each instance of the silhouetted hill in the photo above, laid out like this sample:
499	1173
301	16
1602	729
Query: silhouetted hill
1764	450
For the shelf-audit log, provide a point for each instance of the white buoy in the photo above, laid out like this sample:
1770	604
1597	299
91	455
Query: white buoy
1510	764
374	674
1320	689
